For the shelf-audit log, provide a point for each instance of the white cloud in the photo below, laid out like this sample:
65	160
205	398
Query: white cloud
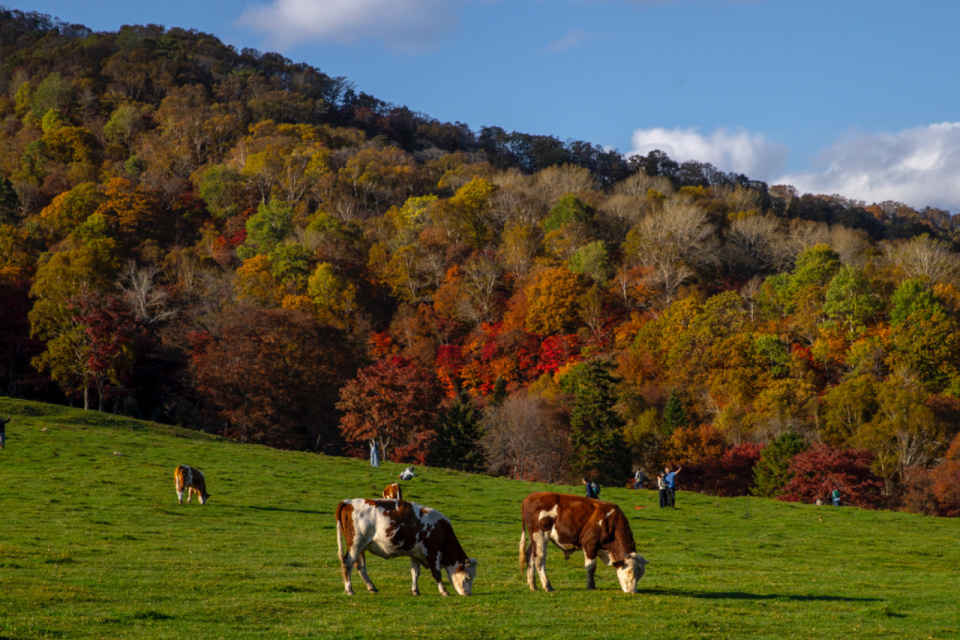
918	167
402	24
738	151
569	41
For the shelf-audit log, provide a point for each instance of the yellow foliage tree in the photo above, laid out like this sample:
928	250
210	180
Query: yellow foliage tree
553	299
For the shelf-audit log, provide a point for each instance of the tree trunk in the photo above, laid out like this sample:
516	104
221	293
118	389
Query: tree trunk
86	397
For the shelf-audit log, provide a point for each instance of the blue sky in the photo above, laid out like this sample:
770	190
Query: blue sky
856	97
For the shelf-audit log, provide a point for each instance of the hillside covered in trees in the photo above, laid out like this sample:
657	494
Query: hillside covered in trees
237	243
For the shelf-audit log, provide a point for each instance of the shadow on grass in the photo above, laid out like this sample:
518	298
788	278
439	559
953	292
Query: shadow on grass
322	513
742	595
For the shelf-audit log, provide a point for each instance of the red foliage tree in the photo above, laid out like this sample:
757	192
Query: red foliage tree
109	329
946	481
729	475
448	364
271	376
556	351
916	492
394	402
816	472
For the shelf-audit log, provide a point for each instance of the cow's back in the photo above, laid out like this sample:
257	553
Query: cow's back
567	514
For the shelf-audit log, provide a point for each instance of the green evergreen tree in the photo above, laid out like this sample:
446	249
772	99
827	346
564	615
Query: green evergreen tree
499	393
772	471
597	428
674	415
9	203
456	445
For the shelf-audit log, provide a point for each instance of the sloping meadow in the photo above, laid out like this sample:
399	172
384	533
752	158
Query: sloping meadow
94	545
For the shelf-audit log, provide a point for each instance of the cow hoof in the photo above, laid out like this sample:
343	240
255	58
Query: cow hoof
372	589
416	593
549	589
349	592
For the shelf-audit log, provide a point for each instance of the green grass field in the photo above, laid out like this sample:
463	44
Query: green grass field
94	545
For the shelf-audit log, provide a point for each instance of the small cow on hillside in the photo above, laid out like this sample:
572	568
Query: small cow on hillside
192	480
392	528
599	528
393	492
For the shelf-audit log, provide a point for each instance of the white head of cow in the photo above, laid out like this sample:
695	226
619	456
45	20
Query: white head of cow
462	576
631	571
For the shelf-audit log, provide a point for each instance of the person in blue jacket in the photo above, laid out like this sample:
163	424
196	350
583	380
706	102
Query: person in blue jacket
670	478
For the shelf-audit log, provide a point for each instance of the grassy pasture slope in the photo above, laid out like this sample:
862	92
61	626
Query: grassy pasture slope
94	545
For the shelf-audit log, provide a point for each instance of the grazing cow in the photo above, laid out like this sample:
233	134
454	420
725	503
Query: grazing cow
393	492
392	528
192	480
574	522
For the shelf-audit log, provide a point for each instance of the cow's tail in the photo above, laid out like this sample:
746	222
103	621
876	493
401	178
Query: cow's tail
340	553
524	550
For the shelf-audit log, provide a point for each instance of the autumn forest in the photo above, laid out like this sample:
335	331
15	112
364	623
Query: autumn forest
234	242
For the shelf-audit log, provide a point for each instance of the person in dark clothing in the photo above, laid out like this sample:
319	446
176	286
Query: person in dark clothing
3	431
662	488
593	490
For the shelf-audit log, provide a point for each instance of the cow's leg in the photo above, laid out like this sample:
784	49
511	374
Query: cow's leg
362	570
540	557
189	494
591	565
432	562
346	566
531	570
180	496
415	574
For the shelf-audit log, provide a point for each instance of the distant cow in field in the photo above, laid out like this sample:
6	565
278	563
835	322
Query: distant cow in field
599	528
393	528
192	480
393	492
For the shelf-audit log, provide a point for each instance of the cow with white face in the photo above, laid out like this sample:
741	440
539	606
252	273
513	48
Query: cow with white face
393	528
599	528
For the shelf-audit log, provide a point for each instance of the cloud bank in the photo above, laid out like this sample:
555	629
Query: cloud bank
919	167
733	151
400	24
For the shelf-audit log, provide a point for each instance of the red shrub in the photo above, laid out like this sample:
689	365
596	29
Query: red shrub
819	470
728	475
946	481
916	492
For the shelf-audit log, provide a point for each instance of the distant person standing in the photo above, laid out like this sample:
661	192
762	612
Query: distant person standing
374	454
407	474
835	497
637	479
662	489
670	477
3	431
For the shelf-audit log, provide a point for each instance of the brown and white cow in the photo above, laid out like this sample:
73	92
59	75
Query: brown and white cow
192	480
393	492
393	528
599	528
